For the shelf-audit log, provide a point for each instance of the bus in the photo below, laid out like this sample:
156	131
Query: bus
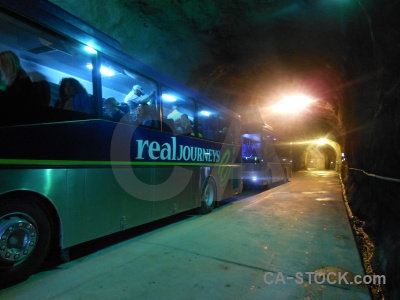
68	176
263	162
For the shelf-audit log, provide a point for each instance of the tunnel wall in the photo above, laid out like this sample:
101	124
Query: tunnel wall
372	142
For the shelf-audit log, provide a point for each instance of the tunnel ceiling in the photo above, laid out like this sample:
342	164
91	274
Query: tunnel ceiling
248	53
245	31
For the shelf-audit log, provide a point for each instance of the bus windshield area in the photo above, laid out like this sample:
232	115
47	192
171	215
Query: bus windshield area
258	148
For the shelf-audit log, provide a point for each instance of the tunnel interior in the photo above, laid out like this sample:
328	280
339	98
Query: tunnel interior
248	54
320	158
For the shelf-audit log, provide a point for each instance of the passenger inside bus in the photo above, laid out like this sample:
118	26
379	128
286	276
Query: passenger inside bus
132	110
113	113
16	86
175	114
137	95
184	126
144	114
73	96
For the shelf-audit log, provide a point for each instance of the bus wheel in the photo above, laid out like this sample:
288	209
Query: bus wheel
208	197
25	234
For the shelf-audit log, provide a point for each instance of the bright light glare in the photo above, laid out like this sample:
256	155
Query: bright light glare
103	70
322	141
106	71
89	49
292	104
205	113
168	98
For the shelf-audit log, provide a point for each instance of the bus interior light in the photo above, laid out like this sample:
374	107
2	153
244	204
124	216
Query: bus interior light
205	113
103	70
168	98
89	49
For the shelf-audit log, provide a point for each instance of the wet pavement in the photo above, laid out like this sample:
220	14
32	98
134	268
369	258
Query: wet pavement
265	245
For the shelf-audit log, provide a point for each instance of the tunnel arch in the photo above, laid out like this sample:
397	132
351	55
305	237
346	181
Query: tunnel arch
323	154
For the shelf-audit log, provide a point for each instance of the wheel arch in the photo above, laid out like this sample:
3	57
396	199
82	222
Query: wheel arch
205	208
45	204
205	181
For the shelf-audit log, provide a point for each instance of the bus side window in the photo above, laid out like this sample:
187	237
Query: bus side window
129	89
47	58
226	133
207	122
176	105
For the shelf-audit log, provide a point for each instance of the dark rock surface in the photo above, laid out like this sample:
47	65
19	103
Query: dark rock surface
247	53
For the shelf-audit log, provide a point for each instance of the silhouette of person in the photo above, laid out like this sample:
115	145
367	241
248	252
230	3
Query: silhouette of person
15	84
73	96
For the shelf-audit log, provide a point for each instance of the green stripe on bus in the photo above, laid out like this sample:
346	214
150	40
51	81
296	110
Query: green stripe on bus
104	163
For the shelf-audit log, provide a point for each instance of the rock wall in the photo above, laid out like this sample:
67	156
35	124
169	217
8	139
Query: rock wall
159	37
373	136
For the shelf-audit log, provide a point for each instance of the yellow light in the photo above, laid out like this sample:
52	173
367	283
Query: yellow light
292	104
322	141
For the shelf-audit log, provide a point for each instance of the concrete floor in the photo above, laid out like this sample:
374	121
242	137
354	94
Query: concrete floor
256	246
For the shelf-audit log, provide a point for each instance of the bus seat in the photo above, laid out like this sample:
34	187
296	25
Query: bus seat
42	93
